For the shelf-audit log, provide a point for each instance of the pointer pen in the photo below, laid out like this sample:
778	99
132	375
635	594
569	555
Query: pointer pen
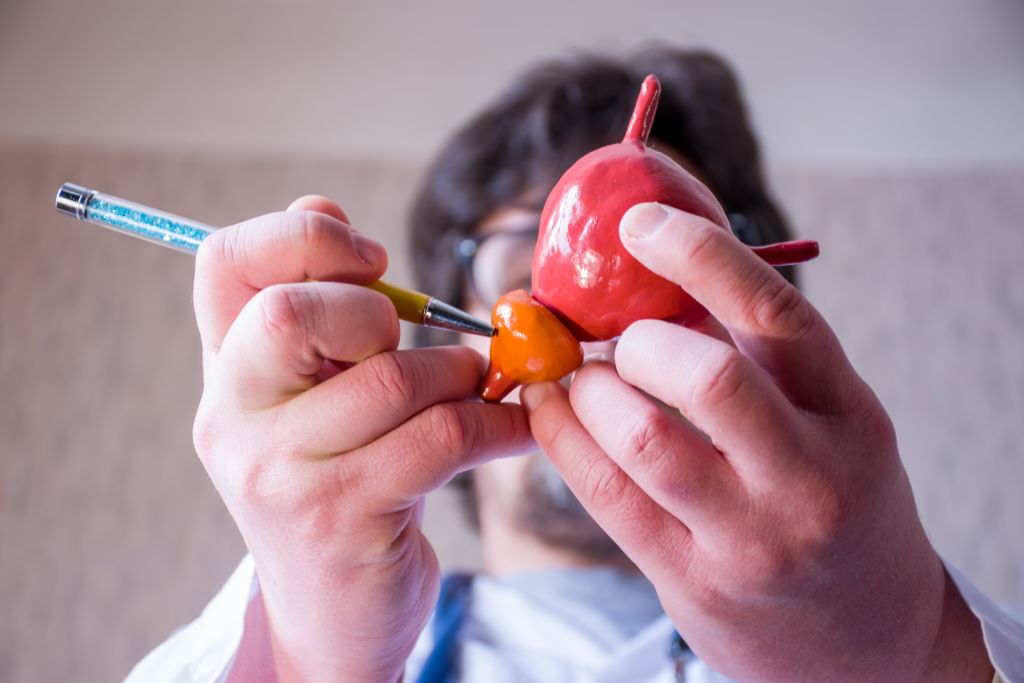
185	235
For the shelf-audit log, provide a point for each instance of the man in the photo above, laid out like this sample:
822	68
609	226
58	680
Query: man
774	527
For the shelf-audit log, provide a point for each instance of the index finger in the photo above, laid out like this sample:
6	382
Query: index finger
235	263
650	536
769	319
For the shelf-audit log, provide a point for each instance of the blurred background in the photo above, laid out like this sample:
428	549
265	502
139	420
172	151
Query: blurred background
892	131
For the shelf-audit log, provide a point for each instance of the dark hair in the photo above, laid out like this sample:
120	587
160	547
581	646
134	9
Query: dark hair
515	150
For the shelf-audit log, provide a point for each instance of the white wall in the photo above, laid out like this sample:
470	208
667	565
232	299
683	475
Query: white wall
875	82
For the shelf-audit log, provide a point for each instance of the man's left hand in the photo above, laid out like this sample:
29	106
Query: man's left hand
778	525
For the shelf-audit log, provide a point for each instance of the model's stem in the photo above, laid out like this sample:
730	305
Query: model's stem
639	127
788	253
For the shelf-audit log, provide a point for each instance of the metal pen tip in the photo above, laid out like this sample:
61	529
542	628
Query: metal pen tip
447	317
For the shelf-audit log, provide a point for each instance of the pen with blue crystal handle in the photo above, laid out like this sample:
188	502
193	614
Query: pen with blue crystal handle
185	235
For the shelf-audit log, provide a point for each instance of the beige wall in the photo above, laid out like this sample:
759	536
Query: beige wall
867	82
895	125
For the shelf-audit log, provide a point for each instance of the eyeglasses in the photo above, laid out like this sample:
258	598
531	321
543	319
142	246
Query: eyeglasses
499	262
496	263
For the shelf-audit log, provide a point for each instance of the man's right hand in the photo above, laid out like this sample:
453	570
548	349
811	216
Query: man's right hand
322	439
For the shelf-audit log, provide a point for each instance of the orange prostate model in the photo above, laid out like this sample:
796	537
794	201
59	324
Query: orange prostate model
530	345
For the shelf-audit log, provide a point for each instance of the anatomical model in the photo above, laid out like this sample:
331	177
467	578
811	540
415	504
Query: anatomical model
586	286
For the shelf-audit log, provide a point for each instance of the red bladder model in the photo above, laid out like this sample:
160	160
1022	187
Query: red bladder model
581	271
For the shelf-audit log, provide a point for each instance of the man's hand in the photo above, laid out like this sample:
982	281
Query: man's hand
322	439
779	529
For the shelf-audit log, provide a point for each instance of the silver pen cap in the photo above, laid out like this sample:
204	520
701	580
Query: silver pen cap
72	200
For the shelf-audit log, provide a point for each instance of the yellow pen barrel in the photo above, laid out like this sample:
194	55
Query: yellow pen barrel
409	304
426	310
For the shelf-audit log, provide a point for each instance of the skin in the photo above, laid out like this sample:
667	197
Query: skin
322	441
782	537
793	555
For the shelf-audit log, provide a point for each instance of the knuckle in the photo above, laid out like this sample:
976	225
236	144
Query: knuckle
814	529
450	427
779	309
289	310
509	430
646	444
316	231
291	313
827	511
279	308
876	425
711	592
390	544
604	485
833	514
767	566
391	378
702	237
268	477
313	511
261	486
387	316
720	377
216	427
218	251
206	254
263	483
257	488
205	433
555	437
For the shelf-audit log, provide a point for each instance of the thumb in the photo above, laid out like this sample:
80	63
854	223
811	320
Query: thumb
664	238
770	320
712	266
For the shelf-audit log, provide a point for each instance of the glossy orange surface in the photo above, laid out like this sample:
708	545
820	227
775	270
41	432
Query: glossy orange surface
531	345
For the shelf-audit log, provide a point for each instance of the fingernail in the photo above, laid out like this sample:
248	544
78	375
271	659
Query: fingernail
371	252
643	221
532	395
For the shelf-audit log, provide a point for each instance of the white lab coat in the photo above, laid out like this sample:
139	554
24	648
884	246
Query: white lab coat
494	646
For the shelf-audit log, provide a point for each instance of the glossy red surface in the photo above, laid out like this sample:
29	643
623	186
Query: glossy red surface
581	271
787	253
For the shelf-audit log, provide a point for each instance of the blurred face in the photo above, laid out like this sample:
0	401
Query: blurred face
527	492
